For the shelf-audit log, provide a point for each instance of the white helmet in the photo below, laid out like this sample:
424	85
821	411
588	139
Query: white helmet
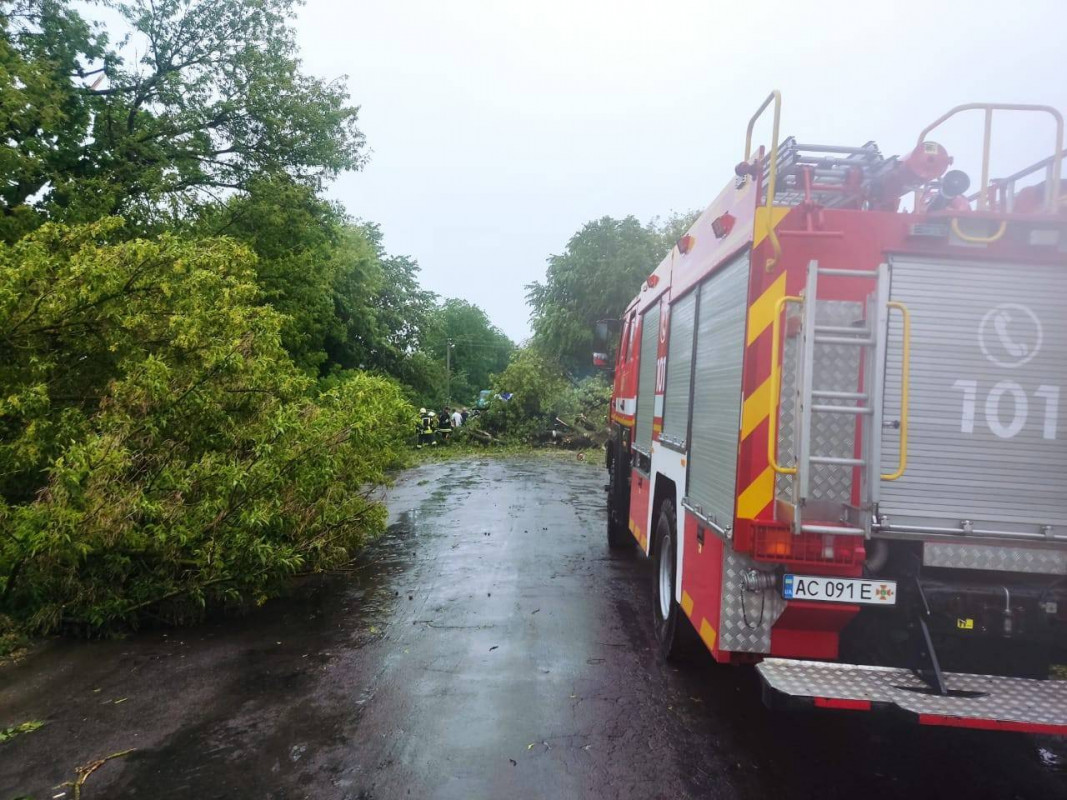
422	410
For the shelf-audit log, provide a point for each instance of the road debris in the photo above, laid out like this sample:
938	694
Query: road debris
83	772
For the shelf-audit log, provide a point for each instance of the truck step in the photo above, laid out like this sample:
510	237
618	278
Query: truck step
987	702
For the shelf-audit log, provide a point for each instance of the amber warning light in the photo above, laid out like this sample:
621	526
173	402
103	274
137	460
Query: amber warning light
721	226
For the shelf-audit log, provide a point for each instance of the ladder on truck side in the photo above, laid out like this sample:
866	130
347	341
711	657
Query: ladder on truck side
831	407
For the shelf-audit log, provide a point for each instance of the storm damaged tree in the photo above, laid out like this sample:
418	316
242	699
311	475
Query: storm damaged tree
198	98
159	451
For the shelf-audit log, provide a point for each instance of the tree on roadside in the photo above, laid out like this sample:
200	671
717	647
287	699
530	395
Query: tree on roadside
479	348
197	394
598	273
213	99
382	310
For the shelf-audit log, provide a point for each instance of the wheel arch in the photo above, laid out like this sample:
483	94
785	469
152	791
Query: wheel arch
663	489
666	489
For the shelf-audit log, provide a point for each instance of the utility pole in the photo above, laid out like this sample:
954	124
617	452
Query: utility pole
448	370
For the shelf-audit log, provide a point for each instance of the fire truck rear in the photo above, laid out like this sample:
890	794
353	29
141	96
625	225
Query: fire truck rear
836	429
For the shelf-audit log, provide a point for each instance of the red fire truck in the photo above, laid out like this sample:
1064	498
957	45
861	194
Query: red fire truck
835	430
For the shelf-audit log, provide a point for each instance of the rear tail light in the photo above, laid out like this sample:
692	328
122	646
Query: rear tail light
779	544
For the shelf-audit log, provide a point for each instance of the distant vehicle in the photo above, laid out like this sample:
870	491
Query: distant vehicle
835	431
484	396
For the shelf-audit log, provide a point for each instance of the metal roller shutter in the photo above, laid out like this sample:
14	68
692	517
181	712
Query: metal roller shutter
679	369
646	379
988	363
717	391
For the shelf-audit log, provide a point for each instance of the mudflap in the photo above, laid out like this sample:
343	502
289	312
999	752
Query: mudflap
987	702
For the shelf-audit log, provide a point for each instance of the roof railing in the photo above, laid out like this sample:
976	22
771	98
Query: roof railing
1054	162
776	98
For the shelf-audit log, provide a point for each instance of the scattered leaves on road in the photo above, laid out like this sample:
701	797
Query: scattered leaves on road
6	734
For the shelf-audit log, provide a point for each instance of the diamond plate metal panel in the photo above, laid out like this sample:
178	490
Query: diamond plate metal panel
1000	559
1005	699
746	617
836	368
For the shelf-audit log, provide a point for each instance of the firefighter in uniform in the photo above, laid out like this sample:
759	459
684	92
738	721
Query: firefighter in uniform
444	423
427	424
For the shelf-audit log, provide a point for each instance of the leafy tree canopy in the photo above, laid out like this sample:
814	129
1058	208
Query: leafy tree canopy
198	97
478	348
595	277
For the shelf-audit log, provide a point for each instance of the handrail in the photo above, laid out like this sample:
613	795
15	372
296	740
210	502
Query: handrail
905	387
772	420
955	225
772	174
1053	196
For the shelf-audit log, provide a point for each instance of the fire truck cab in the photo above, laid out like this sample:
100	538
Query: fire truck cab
836	432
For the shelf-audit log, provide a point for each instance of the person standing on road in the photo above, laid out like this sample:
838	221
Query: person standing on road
444	423
457	419
427	422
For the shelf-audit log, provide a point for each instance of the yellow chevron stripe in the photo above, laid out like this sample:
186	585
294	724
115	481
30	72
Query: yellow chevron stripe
707	633
760	229
756	407
761	312
756	495
687	603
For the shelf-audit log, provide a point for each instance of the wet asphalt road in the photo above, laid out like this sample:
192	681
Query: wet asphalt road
488	647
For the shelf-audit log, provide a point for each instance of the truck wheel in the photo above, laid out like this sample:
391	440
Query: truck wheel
666	614
618	536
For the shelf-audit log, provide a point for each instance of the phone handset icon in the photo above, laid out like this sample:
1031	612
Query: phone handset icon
1010	335
1001	321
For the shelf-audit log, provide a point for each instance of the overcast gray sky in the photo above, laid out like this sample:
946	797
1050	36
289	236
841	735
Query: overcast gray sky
497	129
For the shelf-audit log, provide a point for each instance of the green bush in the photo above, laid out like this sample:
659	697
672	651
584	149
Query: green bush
158	448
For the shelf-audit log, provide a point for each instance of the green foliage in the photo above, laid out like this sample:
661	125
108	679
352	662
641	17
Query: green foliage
213	99
479	349
347	303
159	448
590	398
595	278
7	734
539	394
381	309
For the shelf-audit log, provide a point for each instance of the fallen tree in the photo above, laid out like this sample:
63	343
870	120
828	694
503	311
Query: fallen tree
534	402
160	451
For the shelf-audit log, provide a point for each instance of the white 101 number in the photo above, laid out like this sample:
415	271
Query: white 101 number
1008	427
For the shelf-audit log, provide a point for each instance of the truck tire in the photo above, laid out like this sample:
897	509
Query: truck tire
618	535
666	614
